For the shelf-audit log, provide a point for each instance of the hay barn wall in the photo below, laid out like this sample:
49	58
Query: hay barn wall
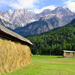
13	55
70	54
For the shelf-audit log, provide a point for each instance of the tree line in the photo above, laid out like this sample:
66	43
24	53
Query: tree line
54	41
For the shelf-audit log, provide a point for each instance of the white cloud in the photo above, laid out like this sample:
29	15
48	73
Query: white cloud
30	5
70	4
5	2
51	7
24	4
18	4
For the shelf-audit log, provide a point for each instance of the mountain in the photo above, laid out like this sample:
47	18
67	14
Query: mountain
18	17
21	17
59	10
46	23
38	27
54	41
62	19
42	14
62	11
33	28
5	23
73	21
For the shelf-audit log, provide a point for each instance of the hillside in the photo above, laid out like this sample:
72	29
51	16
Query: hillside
47	22
54	41
5	23
34	28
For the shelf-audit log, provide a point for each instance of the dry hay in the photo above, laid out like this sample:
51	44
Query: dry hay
13	55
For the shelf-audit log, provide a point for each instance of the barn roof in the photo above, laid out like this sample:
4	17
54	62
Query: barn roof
68	51
10	34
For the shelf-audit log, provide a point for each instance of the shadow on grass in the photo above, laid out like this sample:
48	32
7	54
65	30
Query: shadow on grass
60	57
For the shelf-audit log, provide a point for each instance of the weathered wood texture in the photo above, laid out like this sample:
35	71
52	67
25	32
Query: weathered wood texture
8	34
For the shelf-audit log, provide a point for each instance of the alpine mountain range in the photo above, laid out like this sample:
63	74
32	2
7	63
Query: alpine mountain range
26	23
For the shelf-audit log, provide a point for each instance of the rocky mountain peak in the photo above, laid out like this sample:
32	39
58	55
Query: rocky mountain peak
21	17
62	11
46	11
18	17
21	11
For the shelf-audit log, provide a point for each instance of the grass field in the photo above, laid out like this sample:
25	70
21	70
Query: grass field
47	65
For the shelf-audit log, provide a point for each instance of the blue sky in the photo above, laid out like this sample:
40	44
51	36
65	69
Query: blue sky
36	6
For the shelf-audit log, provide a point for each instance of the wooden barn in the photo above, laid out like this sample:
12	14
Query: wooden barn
68	54
14	50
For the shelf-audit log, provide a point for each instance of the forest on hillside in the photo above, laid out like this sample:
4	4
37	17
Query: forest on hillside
54	41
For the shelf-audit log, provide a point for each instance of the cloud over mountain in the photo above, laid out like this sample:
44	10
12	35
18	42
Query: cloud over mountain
70	4
19	4
36	6
51	7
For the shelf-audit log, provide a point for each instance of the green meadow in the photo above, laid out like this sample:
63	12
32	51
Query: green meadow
47	65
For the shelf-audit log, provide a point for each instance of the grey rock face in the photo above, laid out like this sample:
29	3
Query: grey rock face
18	18
54	18
5	23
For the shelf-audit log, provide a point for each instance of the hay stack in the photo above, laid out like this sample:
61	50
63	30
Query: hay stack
13	55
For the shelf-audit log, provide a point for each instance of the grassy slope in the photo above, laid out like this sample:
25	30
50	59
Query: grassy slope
47	65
